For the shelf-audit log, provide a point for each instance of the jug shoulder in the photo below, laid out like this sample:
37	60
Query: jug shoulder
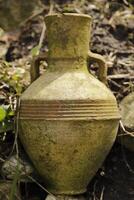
67	86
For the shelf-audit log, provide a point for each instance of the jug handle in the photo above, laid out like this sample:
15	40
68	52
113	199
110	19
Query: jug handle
35	65
102	73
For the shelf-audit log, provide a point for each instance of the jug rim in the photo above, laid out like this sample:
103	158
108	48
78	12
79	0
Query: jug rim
68	14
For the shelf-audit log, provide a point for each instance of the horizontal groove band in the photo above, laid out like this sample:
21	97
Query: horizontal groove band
79	109
87	101
71	118
65	111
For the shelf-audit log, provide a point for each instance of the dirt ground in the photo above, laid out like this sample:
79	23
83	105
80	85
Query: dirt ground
113	37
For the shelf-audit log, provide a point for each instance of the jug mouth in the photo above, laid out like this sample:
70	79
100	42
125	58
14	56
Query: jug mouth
68	15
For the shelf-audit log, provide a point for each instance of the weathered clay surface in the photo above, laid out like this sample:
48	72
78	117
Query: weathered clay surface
67	153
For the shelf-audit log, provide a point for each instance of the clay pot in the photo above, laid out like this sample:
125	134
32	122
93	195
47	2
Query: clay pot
68	119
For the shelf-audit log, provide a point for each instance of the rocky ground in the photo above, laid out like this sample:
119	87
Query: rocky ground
113	37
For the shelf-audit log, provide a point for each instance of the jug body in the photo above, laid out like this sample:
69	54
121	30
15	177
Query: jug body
68	119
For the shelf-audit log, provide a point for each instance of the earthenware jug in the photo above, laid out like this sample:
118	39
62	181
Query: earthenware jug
68	118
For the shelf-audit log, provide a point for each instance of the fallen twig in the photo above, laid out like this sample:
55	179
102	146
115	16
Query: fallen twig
118	76
42	36
115	84
94	190
51	8
125	131
42	187
102	193
2	160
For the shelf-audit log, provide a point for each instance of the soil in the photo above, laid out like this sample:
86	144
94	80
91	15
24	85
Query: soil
113	37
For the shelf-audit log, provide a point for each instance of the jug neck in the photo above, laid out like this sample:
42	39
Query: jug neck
67	64
68	37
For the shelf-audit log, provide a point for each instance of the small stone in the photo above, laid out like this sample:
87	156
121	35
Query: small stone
127	111
25	168
127	114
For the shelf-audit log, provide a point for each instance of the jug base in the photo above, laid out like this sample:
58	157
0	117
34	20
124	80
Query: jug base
67	192
65	197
